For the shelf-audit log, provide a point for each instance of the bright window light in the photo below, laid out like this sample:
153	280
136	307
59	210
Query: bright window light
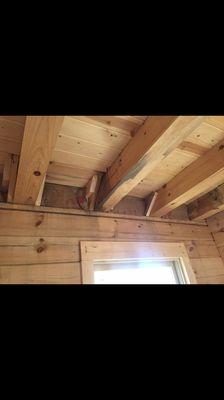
145	272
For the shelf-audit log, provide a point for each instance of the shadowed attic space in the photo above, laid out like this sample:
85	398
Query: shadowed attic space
69	181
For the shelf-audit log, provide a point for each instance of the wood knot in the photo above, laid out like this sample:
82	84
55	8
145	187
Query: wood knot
38	223
40	249
41	218
37	173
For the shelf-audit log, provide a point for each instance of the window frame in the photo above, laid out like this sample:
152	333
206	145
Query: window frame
95	251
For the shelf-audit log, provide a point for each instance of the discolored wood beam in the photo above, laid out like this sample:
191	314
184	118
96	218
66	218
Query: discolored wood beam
154	140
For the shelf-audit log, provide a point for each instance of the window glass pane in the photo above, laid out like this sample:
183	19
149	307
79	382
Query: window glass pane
147	272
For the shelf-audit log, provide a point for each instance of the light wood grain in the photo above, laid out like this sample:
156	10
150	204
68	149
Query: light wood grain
38	143
6	174
40	194
155	140
63	273
40	245
197	179
209	204
66	211
12	178
150	203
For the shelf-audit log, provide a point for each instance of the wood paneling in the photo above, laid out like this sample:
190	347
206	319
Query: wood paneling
216	226
62	273
43	247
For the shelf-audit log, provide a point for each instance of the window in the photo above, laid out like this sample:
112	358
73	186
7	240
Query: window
139	272
135	263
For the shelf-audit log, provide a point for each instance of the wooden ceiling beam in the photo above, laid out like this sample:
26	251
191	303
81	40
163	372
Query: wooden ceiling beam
154	140
201	176
39	139
206	206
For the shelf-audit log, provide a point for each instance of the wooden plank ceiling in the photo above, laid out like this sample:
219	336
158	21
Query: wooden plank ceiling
87	145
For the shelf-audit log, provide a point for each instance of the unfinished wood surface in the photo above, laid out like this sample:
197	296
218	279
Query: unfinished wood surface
12	178
150	203
216	226
89	143
155	140
62	174
93	251
119	214
198	178
92	199
168	168
40	194
39	139
11	134
63	273
209	204
92	143
6	174
48	240
91	186
203	138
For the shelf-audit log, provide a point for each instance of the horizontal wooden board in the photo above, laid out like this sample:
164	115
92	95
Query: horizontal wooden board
70	176
105	136
208	280
216	222
28	250
63	211
45	224
63	273
210	267
85	148
42	247
80	161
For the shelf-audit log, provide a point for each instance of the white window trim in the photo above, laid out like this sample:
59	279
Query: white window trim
93	251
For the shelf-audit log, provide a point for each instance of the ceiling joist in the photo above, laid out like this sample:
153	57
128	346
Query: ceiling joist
154	140
201	176
39	140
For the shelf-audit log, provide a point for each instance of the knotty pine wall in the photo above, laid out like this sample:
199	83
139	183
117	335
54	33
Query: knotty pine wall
43	247
216	226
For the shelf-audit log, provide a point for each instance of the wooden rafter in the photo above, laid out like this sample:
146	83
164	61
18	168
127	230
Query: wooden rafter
201	176
150	203
154	140
209	204
12	178
91	190
39	140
